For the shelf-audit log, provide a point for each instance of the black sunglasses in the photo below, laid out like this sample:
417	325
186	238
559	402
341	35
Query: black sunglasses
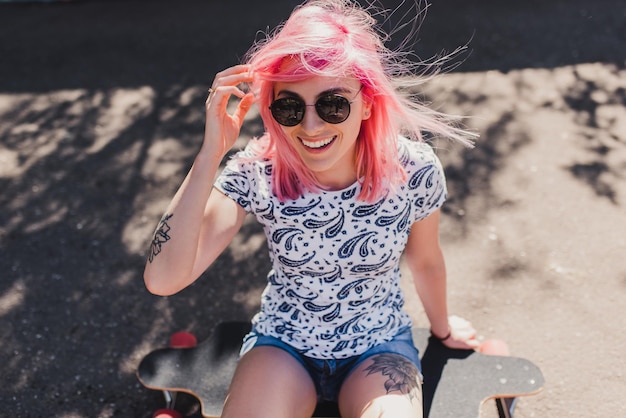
331	108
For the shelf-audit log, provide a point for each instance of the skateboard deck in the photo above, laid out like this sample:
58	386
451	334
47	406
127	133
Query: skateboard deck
456	382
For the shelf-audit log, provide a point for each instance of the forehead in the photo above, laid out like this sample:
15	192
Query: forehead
318	84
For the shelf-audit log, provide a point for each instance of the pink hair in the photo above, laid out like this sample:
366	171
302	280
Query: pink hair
339	38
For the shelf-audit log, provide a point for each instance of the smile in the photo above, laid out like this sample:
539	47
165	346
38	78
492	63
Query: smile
317	144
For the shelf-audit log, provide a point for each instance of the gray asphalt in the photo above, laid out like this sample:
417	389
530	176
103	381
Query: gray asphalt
86	89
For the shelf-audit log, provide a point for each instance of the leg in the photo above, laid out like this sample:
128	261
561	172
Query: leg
384	385
269	382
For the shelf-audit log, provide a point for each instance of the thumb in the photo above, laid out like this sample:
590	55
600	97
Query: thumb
244	106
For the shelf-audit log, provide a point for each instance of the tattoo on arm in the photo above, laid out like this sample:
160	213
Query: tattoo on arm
160	237
401	373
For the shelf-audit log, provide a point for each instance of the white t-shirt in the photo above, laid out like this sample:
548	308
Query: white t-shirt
334	288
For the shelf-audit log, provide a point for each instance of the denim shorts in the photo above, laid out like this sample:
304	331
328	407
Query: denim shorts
329	374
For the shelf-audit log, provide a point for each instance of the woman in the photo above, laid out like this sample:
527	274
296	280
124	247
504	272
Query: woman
343	185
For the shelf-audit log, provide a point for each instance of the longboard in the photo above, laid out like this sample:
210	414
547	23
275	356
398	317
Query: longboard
456	382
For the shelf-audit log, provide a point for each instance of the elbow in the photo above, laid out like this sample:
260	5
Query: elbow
157	286
428	271
154	288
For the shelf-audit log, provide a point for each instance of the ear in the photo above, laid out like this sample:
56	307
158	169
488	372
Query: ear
366	111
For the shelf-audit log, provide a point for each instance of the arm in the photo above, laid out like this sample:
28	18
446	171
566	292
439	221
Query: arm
200	221
427	265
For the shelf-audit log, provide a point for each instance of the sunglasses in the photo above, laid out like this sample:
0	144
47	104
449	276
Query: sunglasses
331	108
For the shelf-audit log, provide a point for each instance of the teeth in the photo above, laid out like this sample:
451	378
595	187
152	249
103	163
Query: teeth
318	144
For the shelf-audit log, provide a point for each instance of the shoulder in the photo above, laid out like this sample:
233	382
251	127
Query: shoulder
246	176
426	182
415	155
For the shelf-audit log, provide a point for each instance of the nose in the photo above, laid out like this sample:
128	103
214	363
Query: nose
311	123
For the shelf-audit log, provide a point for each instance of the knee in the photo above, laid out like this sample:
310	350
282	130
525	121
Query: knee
392	406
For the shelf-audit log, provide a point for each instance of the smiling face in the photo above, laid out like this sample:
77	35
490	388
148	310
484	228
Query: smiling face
328	150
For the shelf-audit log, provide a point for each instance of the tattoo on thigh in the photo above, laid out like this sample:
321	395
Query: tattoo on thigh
160	237
401	373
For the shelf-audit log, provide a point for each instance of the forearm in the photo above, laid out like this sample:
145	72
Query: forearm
453	331
173	251
430	284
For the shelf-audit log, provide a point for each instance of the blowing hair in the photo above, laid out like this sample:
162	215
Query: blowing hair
339	38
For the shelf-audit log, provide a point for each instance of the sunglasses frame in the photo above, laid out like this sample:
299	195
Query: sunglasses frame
302	105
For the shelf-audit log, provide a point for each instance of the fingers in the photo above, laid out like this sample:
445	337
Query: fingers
226	83
223	124
463	334
461	327
461	343
472	343
221	95
233	76
244	107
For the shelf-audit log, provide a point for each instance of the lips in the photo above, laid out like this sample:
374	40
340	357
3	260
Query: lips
317	143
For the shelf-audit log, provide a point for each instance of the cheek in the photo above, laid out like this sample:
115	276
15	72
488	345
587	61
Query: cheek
353	128
287	132
286	143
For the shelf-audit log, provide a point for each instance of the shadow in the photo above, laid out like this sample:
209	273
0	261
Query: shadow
600	112
470	172
434	360
77	214
111	44
592	174
535	34
105	44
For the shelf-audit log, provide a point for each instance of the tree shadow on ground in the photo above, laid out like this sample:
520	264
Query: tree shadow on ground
601	112
74	310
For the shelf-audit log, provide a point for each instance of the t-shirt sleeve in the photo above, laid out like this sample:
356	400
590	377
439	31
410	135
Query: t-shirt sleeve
234	180
426	180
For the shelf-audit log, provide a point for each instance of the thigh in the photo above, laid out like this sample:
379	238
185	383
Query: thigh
269	382
384	385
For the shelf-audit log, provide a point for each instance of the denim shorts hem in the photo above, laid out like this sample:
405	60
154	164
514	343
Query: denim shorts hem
328	375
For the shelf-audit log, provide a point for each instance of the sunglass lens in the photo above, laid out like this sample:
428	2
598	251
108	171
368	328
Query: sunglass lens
333	109
288	111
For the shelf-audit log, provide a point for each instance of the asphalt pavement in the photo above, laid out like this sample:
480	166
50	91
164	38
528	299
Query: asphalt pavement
101	113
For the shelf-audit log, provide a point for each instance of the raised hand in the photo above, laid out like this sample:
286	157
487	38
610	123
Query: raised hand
222	128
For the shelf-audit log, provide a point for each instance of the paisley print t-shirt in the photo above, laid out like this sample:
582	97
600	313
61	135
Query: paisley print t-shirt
334	289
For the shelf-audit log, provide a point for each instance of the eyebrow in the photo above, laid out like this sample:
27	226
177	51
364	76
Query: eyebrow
336	90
